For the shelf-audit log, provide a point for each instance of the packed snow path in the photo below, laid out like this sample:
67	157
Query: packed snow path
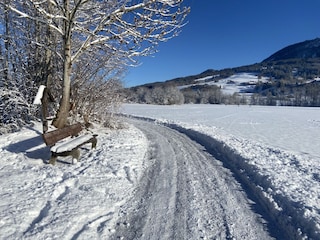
187	194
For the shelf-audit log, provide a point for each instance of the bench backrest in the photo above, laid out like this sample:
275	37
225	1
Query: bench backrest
50	138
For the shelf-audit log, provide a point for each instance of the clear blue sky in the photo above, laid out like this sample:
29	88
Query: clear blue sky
229	33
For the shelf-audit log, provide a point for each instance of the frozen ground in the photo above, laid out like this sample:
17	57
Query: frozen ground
228	173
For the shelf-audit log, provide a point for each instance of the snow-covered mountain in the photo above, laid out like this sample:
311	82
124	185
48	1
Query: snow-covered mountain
284	76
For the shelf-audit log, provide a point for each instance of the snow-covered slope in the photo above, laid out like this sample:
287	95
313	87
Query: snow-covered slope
237	83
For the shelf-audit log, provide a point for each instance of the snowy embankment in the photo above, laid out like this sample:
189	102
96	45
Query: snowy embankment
81	201
285	178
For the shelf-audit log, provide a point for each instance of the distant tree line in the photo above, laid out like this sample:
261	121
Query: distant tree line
282	93
170	95
286	94
160	95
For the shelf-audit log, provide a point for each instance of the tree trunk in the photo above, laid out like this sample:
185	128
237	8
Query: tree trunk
6	47
44	110
47	79
63	112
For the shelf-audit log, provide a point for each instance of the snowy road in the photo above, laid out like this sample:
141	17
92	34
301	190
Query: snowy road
187	194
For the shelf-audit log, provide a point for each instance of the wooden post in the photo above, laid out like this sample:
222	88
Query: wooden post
44	110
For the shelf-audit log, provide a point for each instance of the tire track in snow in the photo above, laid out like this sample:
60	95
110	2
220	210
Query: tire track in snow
186	194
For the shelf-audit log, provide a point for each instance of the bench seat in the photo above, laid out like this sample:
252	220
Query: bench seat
70	143
66	141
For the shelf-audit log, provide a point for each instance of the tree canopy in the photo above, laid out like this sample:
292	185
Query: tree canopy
84	34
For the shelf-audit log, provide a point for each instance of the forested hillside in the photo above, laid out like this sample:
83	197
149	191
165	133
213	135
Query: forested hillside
289	77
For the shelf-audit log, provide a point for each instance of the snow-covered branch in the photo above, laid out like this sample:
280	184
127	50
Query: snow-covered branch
25	15
132	26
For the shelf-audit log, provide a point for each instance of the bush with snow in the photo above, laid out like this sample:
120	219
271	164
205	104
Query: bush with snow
15	111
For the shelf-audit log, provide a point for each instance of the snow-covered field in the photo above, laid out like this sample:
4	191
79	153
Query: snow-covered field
278	147
294	129
274	149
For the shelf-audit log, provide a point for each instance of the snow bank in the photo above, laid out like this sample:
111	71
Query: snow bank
283	182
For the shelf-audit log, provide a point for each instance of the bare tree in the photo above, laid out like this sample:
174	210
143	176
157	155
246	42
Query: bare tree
124	29
96	86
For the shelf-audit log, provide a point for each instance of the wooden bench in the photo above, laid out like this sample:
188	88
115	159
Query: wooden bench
66	142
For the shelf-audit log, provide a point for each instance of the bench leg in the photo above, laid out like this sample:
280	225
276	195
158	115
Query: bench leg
53	159
75	153
94	142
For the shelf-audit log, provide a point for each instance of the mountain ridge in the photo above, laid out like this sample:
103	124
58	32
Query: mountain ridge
292	54
305	49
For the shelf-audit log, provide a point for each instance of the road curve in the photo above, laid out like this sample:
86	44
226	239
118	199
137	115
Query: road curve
186	194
